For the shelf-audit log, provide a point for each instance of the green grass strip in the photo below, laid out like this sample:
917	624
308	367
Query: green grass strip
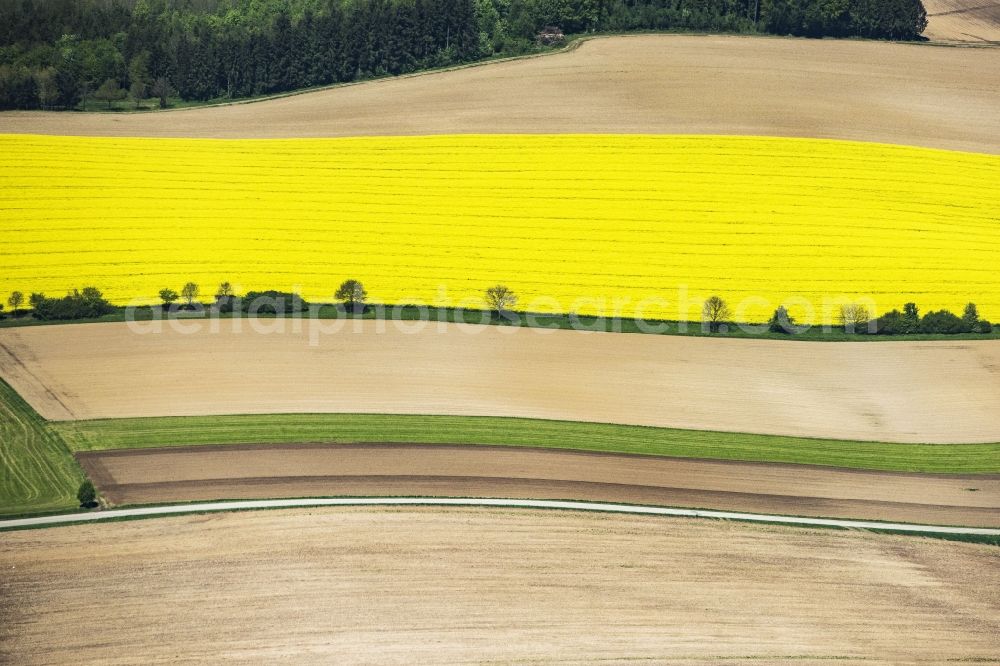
37	472
292	428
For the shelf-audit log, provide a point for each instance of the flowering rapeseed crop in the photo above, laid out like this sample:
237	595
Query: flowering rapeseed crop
582	223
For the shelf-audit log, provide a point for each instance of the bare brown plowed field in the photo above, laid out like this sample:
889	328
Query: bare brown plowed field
944	392
434	585
870	91
963	21
237	472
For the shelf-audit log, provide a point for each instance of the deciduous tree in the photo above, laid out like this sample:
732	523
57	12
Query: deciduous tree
190	292
500	298
162	90
715	312
15	301
353	294
970	318
168	296
854	316
109	92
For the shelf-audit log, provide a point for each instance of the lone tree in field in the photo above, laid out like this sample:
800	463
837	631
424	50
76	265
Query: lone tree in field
225	289
168	296
353	294
715	312
15	301
853	316
87	494
190	292
500	298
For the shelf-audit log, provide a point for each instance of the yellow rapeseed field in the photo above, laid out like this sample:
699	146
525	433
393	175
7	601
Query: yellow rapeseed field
647	225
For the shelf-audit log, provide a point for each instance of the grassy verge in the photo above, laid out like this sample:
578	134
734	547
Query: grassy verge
535	320
37	472
293	428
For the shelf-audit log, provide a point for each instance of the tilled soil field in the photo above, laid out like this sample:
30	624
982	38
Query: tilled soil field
656	84
936	392
963	21
231	472
471	586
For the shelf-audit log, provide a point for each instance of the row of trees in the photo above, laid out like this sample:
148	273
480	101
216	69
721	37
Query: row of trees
86	303
351	292
716	314
60	53
856	318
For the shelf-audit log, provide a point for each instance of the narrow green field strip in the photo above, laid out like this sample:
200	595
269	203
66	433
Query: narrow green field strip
294	428
37	472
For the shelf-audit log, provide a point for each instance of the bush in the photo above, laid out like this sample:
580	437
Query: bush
225	302
983	326
273	302
942	321
87	494
85	304
891	323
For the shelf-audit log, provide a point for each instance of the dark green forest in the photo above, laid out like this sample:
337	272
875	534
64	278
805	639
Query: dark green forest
64	54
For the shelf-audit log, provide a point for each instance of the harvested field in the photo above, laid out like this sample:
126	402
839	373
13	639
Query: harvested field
869	91
313	470
963	21
462	585
631	226
943	392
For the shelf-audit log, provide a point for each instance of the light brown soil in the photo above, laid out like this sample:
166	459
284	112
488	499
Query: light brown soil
474	586
963	21
944	392
871	91
231	472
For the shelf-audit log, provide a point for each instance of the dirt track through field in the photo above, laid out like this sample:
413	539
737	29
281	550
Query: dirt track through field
148	476
471	585
870	91
944	392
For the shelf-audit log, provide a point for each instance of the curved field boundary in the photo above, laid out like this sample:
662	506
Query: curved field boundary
657	84
209	507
